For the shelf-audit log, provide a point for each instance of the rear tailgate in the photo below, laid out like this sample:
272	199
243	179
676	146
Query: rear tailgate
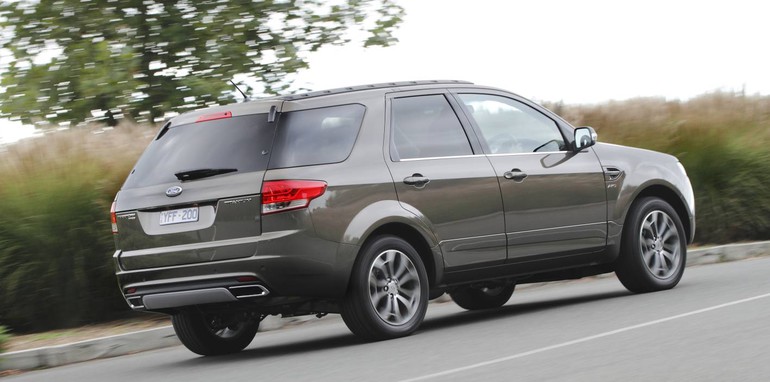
194	194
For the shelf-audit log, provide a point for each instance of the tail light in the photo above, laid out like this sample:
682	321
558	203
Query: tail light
114	219
286	195
214	116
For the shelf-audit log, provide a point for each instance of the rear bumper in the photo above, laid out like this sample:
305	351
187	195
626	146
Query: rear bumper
141	299
274	273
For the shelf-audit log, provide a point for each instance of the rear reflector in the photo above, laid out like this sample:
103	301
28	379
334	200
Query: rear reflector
214	116
285	195
114	219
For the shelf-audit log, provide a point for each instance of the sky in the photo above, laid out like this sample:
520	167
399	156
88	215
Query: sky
578	52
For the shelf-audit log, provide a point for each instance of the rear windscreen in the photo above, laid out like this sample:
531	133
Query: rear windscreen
240	143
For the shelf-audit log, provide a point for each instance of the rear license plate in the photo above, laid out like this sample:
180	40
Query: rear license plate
183	215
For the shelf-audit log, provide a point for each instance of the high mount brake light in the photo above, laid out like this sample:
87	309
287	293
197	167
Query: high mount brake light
286	195
114	219
214	116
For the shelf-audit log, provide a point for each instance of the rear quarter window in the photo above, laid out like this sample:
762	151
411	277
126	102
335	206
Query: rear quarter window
316	136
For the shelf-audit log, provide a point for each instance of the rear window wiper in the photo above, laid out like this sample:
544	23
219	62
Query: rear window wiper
202	173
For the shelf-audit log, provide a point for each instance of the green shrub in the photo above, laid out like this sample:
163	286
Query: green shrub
731	181
55	243
4	337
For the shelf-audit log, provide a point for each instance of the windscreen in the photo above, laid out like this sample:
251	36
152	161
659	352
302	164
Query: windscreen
239	143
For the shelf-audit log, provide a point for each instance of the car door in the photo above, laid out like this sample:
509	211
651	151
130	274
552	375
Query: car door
441	177
554	198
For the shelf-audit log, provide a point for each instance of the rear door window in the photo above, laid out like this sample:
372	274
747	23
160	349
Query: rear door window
426	127
316	136
233	143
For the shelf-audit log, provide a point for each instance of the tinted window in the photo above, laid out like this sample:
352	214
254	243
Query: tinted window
316	136
233	143
509	126
426	126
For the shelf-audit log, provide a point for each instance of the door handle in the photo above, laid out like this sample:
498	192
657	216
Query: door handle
516	175
416	180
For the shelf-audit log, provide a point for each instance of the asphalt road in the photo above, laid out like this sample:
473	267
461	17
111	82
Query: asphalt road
714	326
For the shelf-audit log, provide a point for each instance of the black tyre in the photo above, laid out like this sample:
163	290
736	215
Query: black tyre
214	334
475	298
388	292
653	250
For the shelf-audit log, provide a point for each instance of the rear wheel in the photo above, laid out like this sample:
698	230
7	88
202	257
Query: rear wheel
486	297
388	292
653	247
214	334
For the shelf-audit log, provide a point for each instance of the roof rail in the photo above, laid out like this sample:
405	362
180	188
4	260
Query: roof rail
383	85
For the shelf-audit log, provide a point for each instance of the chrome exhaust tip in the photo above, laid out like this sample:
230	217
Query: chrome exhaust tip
247	291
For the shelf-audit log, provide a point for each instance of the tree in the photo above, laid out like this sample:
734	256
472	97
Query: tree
70	61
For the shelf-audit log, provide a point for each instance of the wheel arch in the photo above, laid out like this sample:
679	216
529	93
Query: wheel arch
430	258
671	197
388	217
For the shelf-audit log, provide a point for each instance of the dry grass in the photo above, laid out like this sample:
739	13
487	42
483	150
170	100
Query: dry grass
113	149
655	122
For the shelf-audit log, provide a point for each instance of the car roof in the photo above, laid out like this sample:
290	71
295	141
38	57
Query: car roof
383	85
264	105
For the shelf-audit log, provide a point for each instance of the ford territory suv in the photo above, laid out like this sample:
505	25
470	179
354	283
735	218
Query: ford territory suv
370	201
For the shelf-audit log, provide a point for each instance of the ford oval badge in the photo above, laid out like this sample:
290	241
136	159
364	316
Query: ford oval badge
173	191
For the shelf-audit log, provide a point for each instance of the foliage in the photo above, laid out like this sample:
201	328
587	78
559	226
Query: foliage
722	139
141	58
55	244
4	337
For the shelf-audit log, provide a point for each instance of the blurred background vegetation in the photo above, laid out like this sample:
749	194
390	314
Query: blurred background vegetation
76	61
55	263
4	337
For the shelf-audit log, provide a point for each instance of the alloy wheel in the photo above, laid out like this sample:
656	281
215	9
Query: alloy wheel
660	244
394	287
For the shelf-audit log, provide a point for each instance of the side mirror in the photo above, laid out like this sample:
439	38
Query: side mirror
585	136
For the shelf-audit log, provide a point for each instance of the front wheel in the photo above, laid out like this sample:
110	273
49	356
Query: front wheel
653	250
214	334
388	292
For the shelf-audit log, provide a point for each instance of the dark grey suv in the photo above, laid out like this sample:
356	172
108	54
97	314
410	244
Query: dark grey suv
369	201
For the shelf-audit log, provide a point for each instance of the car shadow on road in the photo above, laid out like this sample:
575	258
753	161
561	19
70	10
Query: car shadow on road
469	317
341	340
294	347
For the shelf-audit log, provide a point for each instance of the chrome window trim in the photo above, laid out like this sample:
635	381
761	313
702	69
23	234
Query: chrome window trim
479	155
433	158
539	153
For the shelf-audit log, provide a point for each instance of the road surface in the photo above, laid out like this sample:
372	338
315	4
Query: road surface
714	326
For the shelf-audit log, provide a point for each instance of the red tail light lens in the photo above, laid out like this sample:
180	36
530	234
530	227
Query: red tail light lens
114	219
214	116
285	195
